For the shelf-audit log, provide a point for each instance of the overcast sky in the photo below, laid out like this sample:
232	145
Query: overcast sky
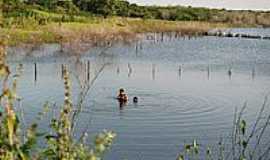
228	4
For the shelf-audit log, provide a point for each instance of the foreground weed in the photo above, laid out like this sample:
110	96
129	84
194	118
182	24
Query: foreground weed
60	142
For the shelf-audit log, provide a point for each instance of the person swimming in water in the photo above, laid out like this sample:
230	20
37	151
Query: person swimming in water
122	97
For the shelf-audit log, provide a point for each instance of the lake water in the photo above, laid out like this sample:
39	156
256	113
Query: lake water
184	88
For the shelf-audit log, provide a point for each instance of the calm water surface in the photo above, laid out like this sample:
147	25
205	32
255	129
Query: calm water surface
175	105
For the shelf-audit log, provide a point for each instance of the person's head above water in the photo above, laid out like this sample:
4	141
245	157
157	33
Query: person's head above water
135	99
121	90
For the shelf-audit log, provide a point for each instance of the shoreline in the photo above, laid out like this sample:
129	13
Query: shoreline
77	38
101	33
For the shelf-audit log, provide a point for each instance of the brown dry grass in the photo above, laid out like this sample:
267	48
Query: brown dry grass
80	37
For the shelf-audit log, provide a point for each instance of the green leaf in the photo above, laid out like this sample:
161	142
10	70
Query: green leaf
180	157
243	126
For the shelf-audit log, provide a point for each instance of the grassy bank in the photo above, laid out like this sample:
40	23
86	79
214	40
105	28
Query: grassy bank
99	30
72	25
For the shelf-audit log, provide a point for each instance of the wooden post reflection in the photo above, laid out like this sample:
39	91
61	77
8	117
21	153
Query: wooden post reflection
230	73
180	71
129	70
208	72
118	70
253	74
136	49
141	46
153	71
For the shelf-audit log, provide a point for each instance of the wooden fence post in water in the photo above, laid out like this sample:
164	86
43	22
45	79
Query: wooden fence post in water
136	49
175	35
162	36
61	47
61	44
62	70
88	70
35	71
95	41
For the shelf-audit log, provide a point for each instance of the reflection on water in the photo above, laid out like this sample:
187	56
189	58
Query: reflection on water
187	89
253	74
208	72
230	73
180	72
122	105
129	70
153	71
118	70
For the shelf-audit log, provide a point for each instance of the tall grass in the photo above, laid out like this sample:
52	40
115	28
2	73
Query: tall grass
98	31
33	27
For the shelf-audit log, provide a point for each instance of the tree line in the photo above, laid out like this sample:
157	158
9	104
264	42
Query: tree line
123	8
117	8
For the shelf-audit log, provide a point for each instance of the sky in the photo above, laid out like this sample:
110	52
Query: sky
228	4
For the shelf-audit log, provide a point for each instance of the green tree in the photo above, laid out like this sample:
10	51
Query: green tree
68	6
122	8
105	7
84	5
136	11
